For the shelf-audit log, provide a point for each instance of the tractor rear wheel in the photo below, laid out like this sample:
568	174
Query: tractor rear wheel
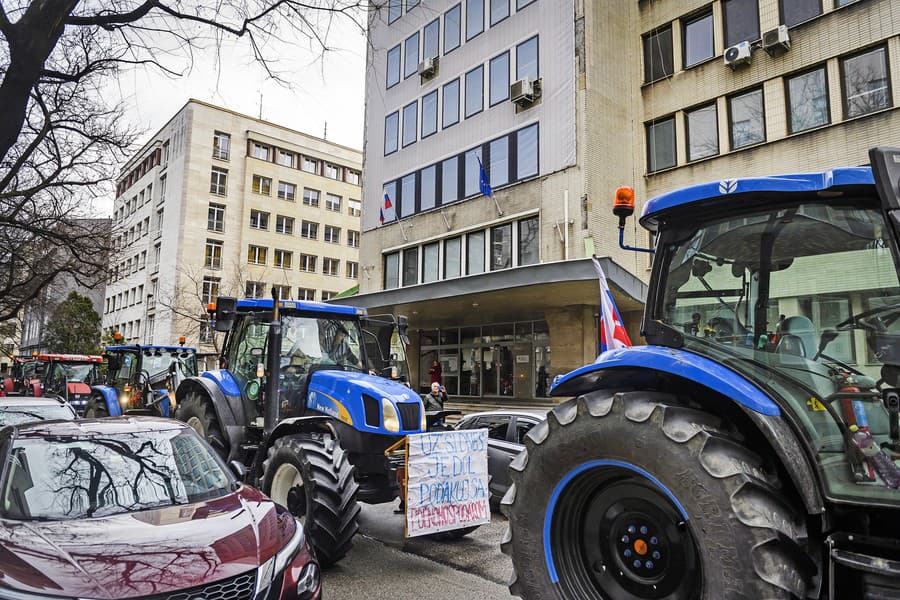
96	408
311	476
633	496
197	411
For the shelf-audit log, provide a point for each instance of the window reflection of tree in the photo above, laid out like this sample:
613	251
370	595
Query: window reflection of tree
866	83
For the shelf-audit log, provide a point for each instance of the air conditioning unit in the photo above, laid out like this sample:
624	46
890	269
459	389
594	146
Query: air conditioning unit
738	55
777	41
428	68
524	92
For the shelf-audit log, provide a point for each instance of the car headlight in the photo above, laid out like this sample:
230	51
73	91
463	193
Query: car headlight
275	565
308	582
389	414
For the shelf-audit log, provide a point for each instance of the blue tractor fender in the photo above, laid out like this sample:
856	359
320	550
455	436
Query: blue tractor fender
165	405
221	388
762	410
110	397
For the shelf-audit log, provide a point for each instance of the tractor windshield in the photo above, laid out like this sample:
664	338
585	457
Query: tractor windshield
310	341
805	301
84	373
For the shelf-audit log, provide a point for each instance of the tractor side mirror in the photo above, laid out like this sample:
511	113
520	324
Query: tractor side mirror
115	362
226	313
403	328
238	468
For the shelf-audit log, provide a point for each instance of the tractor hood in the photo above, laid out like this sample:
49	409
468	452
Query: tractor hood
358	399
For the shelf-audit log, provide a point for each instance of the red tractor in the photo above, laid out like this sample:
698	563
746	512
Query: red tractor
68	377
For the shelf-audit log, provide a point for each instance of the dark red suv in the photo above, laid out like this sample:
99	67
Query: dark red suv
139	507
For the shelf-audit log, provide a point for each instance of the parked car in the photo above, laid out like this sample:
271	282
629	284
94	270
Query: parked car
15	410
139	507
506	438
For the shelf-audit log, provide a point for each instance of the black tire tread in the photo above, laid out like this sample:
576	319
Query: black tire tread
778	556
198	405
98	406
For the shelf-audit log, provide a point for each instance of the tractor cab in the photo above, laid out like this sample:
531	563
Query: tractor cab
70	377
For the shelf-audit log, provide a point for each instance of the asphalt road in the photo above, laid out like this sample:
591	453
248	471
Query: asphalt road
383	564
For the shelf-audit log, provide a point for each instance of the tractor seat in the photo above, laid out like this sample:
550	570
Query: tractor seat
797	336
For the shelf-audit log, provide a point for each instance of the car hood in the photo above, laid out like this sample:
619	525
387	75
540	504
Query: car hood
145	553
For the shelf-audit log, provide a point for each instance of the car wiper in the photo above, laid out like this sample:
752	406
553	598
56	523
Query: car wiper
22	412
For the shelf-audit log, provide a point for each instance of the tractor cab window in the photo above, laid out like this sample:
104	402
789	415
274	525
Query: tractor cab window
73	372
245	356
310	341
385	348
805	301
125	372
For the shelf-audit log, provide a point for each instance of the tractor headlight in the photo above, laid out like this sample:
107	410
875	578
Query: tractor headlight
424	421
389	414
125	397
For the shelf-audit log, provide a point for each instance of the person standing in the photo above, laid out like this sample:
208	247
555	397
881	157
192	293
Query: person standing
434	400
436	372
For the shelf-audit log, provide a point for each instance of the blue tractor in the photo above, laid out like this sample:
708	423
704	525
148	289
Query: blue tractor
750	450
307	399
141	379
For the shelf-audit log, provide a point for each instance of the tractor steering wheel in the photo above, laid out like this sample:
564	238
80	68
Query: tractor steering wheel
871	319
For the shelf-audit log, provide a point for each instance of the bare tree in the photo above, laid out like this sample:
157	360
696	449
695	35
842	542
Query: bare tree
60	136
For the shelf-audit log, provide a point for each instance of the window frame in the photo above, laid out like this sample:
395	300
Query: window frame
458	8
458	83
687	131
396	148
647	128
491	102
287	184
219	210
845	98
647	38
406	44
331	234
312	230
491	21
422	133
262	220
434	22
537	56
214	187
306	260
387	72
787	97
728	107
782	19
335	262
318	197
285	254
466	112
285	221
262	180
261	253
728	43
217	152
692	19
415	127
336	207
392	4
480	31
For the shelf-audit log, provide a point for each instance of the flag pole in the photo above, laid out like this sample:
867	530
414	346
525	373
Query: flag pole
497	204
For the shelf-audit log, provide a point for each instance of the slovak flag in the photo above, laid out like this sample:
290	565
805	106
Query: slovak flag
612	332
381	215
387	201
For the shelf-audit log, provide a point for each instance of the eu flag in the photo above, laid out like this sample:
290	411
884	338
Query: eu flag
484	184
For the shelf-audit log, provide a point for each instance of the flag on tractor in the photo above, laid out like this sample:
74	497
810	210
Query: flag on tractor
612	332
484	184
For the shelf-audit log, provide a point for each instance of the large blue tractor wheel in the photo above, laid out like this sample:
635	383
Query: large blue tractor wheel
634	496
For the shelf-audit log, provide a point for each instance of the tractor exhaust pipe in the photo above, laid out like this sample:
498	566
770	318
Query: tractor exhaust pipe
273	369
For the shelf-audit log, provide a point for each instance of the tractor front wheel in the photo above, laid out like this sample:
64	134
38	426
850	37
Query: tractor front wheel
311	476
198	412
96	408
635	496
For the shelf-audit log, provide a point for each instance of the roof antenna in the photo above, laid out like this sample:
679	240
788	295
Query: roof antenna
260	106
325	135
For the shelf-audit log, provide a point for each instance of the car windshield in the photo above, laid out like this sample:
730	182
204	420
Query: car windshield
14	415
309	341
808	293
65	477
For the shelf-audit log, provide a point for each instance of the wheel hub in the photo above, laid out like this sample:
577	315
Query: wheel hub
287	490
640	552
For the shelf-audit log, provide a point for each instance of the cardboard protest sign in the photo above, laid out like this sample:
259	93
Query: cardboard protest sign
447	481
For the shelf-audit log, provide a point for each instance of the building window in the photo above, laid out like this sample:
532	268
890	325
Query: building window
209	290
473	172
284	225
395	9
452	20
255	289
411	4
698	39
411	55
215	220
162	188
450	180
333	202
411	266
256	255
431	38
499	155
393	66
429	114
741	21
307	294
221	145
310	197
529	240
450	107
287	191
428	187
520	4
527	59
865	82
528	152
430	262
354	208
165	153
332	171
283	259
261	151
499	11
285	159
798	11
474	18
213	254
410	122
352	270
658	56
661	145
326	295
452	257
309	230
308	263
501	247
218	181
330	266
283	292
262	185
310	165
259	219
499	74
408	195
391	132
702	132
808	100
475	253
353	177
352	238
332	234
474	91
391	270
746	119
